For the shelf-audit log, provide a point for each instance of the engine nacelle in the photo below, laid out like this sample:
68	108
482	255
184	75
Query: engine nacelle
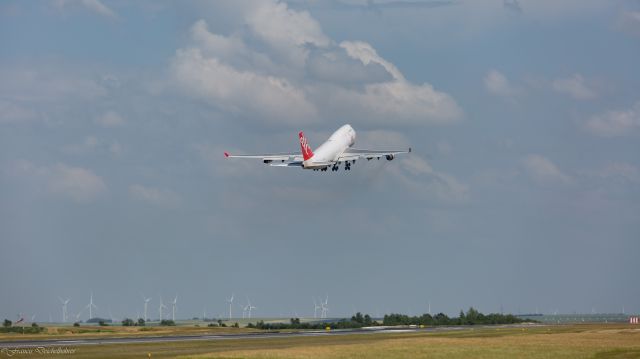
390	157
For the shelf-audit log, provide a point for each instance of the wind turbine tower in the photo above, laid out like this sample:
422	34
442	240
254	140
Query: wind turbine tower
325	308
162	306
230	301
91	306
315	308
64	308
146	303
173	308
250	307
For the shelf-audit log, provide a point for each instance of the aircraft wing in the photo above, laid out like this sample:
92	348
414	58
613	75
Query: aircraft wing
351	154
283	159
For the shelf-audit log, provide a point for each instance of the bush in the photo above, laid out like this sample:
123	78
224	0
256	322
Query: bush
213	325
141	322
167	322
76	324
126	322
7	323
102	323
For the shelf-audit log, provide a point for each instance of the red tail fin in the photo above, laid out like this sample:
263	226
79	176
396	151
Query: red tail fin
304	146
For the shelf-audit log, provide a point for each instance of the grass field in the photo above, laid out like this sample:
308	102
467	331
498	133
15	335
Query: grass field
577	341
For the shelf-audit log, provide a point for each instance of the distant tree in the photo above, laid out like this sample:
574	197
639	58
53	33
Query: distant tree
141	322
236	325
34	324
76	324
167	322
127	322
367	320
7	323
213	325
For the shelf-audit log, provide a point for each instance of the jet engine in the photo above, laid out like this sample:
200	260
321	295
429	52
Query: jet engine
390	157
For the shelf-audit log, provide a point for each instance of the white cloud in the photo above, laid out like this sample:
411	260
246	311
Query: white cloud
13	113
575	87
91	144
155	196
630	22
422	180
81	185
396	102
42	84
241	92
541	169
367	54
498	84
615	123
287	31
95	6
302	76
110	119
617	171
76	183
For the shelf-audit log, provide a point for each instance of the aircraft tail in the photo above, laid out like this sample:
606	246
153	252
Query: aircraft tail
304	146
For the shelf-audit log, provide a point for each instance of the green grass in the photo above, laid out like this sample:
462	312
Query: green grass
576	341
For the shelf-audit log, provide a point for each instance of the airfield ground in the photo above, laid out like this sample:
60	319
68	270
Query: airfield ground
556	341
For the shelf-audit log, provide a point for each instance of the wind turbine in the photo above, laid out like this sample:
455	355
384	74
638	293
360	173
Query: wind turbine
230	301
113	320
315	308
64	308
146	303
244	310
91	306
249	307
80	313
325	308
173	308
161	307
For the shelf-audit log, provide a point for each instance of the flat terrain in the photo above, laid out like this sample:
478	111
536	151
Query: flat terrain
576	341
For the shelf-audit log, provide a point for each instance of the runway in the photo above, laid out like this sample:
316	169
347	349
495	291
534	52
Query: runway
212	337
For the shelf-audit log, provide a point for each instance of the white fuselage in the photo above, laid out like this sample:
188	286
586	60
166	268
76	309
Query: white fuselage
328	152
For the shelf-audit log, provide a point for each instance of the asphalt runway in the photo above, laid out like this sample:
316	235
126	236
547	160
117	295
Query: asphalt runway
204	337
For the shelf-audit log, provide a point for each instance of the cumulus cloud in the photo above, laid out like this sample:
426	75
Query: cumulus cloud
617	171
110	119
541	169
615	123
284	69
418	175
156	196
630	22
498	84
91	144
575	87
241	92
11	112
287	31
76	183
27	85
513	6
95	6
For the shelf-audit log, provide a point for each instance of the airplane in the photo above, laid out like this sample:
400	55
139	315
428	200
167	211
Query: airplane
331	154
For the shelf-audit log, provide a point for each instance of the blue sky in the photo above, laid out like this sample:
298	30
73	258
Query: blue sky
522	190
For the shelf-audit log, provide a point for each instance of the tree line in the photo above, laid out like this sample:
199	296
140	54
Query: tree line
471	317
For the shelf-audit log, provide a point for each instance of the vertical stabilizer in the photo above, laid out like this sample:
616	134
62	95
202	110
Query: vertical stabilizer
304	146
